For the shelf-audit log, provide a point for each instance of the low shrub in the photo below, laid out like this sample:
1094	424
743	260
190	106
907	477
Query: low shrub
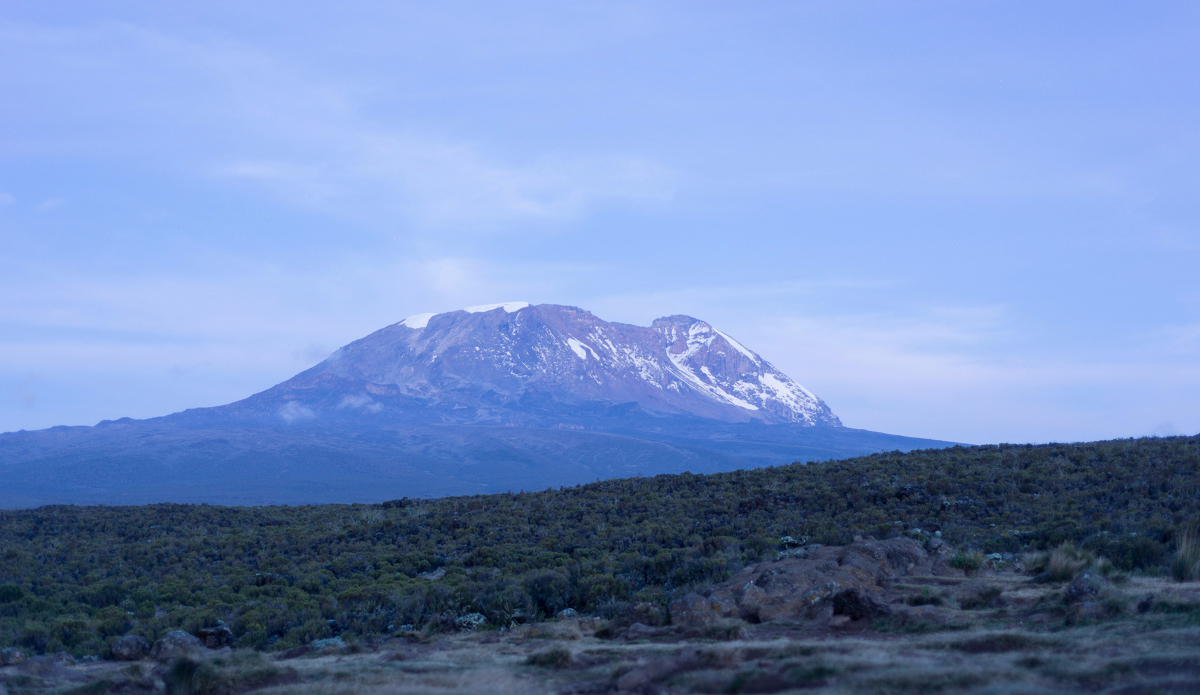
925	598
967	562
10	593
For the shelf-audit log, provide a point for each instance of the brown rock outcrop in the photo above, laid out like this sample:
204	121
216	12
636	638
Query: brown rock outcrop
840	580
11	656
130	648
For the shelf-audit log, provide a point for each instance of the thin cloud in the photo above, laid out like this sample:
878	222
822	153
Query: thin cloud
343	163
250	117
440	183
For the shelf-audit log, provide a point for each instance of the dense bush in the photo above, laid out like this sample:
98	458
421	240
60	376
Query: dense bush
967	562
75	578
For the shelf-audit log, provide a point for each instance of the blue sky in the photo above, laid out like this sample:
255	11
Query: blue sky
971	221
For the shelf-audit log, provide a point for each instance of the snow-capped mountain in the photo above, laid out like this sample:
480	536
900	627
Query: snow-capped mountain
486	399
491	359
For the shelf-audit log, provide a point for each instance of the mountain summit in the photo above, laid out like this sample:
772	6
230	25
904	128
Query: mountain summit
496	361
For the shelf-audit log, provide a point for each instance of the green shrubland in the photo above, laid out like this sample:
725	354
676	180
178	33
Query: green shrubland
76	578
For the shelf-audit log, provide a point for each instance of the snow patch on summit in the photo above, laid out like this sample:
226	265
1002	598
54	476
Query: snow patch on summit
510	307
417	321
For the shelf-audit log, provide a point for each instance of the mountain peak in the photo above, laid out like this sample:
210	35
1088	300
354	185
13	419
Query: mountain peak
490	362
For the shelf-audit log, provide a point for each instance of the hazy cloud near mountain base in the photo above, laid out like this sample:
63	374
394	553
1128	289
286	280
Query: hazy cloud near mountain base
294	412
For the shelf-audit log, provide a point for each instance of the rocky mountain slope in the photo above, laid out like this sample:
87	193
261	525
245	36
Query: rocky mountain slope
491	398
494	362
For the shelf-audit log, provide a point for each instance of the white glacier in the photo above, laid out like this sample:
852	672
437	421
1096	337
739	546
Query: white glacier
510	307
417	321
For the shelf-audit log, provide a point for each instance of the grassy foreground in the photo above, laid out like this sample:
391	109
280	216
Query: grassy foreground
74	579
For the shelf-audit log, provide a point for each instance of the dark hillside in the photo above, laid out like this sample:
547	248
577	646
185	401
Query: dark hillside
76	577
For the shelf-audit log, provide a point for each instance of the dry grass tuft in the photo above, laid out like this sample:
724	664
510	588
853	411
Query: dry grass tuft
1185	566
1065	562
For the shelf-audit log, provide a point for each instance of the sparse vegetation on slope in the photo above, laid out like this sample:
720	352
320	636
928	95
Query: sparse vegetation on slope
76	578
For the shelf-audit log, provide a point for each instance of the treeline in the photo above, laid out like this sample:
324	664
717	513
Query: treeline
75	578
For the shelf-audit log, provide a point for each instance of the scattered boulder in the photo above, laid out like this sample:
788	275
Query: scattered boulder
940	553
696	610
793	547
857	604
174	645
1085	587
568	614
130	648
64	658
216	637
11	656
